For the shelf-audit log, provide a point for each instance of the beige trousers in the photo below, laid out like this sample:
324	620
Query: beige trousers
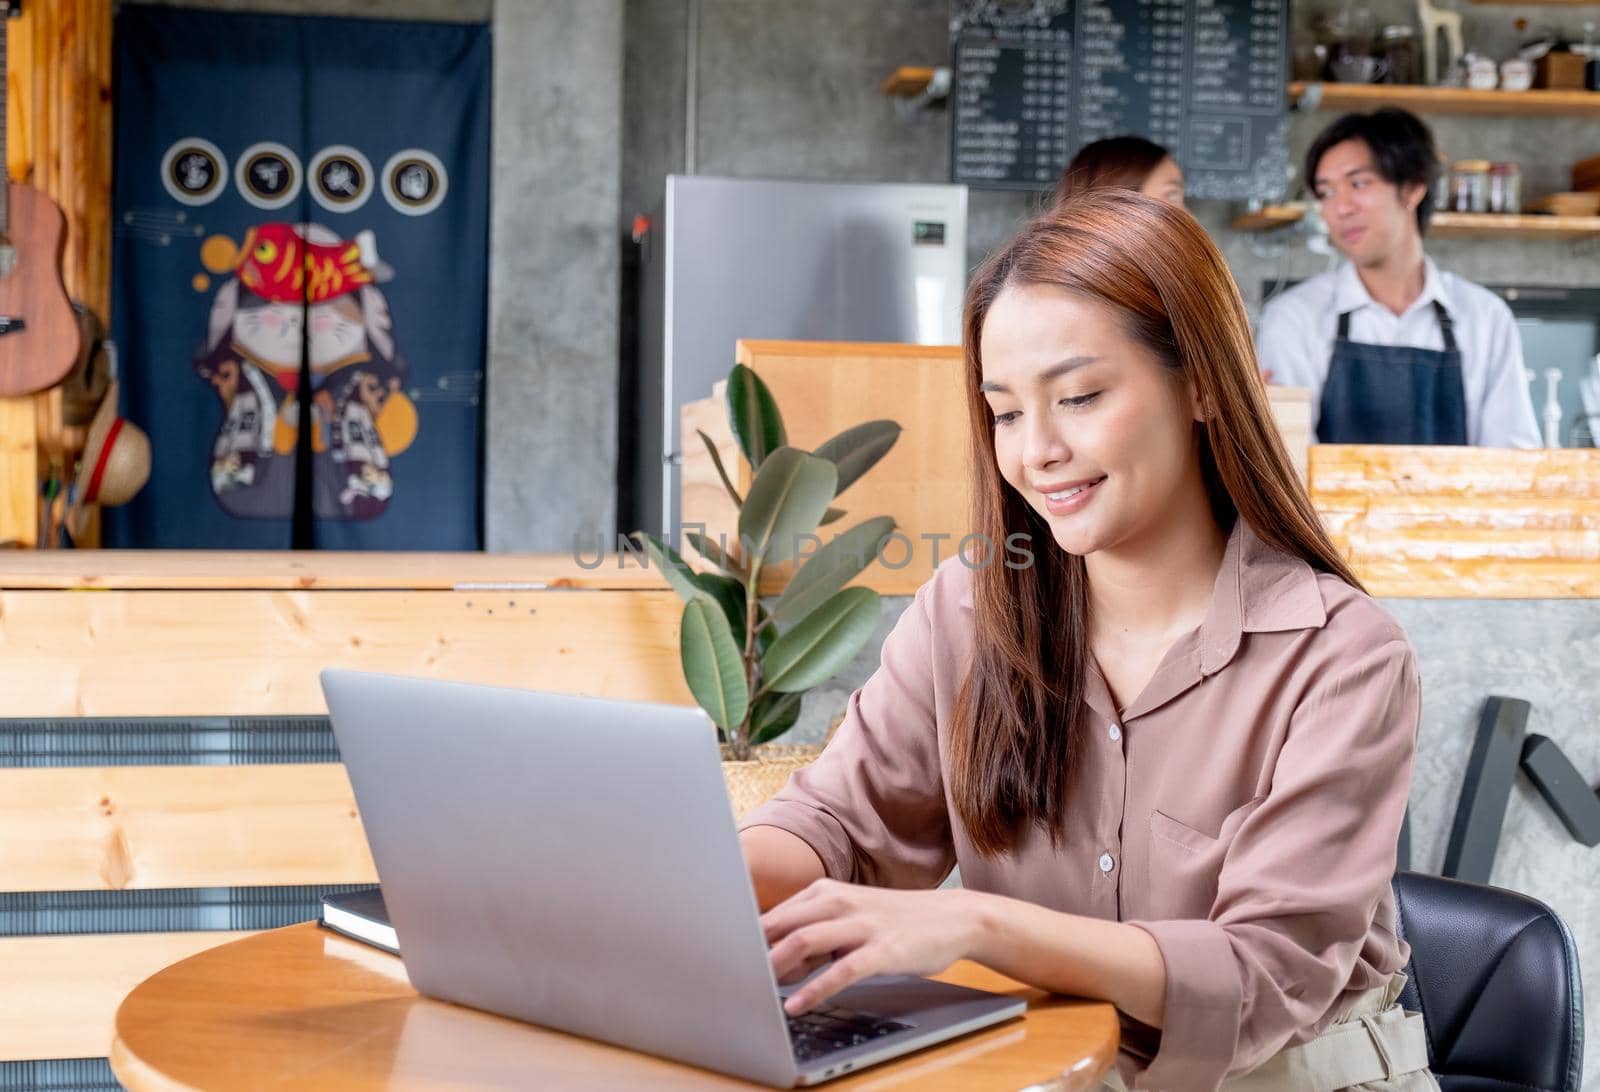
1374	1047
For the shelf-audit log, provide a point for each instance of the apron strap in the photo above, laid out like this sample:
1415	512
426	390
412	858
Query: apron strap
1447	326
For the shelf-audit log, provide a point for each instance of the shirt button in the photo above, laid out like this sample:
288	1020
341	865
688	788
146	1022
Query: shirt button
1115	733
1106	863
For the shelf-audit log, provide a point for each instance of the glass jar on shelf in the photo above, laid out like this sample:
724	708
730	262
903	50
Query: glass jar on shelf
1398	46
1469	185
1505	188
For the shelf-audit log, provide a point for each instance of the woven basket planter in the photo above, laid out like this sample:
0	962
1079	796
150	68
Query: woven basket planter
754	782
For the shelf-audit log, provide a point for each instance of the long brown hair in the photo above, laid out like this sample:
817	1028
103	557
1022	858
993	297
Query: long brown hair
1013	739
1122	162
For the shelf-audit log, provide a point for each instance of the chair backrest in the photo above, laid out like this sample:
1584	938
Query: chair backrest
1495	976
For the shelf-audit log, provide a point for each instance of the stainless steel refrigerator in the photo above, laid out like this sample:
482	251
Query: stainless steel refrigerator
731	258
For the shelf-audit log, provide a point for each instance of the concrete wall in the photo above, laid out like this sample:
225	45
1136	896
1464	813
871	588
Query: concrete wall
792	91
553	272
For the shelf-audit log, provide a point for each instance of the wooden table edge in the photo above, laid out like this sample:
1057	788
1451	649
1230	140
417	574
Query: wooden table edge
133	1072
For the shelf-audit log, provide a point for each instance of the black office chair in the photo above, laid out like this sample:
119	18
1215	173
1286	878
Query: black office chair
1495	976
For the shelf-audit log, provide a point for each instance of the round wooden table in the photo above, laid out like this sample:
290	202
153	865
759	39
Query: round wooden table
305	1007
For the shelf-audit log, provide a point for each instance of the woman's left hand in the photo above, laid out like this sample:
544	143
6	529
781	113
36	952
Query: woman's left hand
865	931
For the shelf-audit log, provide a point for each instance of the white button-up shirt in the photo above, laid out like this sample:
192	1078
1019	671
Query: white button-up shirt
1298	329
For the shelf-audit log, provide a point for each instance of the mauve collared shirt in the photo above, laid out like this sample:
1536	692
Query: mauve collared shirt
1243	810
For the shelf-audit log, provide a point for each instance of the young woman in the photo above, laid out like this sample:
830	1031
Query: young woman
1124	162
1169	747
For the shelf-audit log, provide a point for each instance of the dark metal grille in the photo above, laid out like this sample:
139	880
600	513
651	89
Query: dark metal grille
164	741
66	1075
185	910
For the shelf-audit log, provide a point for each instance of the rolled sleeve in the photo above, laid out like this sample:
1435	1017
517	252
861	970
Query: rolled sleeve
1203	1002
1302	878
872	806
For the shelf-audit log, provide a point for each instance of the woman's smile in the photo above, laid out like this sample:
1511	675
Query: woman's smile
1065	499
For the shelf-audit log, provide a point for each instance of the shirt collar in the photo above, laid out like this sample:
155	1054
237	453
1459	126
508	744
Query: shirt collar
1258	590
1349	294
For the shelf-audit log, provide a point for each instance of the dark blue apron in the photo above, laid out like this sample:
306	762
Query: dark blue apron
1393	394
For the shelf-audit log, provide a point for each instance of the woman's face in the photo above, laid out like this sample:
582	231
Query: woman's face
1165	183
1090	427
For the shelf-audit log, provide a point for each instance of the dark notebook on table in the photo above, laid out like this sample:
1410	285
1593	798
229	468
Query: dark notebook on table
360	915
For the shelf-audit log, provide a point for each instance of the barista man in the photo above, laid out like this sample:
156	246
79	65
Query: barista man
1393	350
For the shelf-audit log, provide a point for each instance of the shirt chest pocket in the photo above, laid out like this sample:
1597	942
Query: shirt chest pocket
1184	863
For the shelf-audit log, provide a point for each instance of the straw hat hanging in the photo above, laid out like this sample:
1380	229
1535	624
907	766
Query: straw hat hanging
115	463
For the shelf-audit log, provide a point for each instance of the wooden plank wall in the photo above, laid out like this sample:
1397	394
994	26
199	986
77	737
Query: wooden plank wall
19	475
58	139
59	994
58	106
218	653
214	652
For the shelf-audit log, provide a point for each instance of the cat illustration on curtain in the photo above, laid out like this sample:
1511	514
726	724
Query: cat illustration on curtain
289	276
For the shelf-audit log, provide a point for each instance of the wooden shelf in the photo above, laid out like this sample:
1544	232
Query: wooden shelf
1269	218
1467	225
1450	100
1452	225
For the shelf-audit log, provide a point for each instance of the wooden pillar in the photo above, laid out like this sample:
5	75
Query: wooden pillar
58	117
19	473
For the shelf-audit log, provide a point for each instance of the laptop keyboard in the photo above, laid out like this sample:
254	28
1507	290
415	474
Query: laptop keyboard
829	1028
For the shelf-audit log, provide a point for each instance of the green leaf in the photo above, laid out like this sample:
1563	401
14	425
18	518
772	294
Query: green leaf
713	553
822	643
789	495
773	715
857	450
754	415
830	515
712	665
830	569
722	471
677	571
730	596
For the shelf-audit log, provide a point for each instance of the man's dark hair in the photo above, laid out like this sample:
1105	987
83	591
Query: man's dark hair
1402	149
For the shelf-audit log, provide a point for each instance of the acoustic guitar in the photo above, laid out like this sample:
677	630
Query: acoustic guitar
39	337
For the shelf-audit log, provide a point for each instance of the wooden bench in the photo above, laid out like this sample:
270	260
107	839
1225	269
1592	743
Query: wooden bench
178	634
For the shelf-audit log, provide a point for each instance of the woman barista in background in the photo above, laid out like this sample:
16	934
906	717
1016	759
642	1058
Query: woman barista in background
1124	162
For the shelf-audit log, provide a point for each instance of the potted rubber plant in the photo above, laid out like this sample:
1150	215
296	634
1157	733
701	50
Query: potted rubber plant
749	660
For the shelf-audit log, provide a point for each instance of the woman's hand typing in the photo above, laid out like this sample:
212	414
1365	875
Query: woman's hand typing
866	931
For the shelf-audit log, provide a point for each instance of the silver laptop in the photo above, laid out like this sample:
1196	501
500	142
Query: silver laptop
572	862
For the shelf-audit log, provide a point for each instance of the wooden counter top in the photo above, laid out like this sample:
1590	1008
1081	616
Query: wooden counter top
1463	522
1425	522
326	570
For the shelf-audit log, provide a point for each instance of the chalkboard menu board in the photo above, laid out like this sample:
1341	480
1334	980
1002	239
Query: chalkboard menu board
1035	80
